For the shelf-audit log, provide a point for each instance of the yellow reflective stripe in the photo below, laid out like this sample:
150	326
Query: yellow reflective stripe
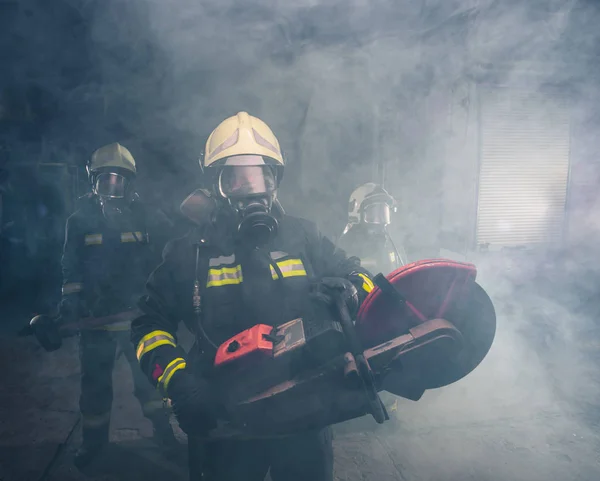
174	366
289	268
95	420
71	288
130	237
368	285
152	341
93	239
224	276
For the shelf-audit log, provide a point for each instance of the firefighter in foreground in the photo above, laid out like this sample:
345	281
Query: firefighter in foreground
366	234
256	265
112	244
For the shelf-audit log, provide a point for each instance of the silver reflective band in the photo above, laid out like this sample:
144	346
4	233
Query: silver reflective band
165	378
133	237
289	268
93	239
224	276
71	288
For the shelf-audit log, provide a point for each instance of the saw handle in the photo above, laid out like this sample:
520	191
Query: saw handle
376	407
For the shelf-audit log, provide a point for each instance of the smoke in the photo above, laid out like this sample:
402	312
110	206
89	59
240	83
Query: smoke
347	85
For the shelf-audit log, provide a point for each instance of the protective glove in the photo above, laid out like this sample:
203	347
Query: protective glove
194	403
45	330
335	287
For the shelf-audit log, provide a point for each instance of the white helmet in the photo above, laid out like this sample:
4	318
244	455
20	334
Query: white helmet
370	204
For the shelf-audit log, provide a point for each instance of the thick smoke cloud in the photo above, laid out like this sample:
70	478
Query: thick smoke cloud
370	90
348	84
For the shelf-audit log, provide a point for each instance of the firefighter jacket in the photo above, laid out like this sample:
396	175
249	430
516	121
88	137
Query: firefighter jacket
105	268
373	247
239	288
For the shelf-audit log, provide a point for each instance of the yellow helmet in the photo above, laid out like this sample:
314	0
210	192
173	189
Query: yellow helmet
241	134
112	156
111	170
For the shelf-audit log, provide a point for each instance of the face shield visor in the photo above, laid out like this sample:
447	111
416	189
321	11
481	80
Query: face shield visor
111	186
240	179
378	213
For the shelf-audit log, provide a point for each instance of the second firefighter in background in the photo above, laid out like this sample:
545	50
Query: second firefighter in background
112	244
366	235
249	263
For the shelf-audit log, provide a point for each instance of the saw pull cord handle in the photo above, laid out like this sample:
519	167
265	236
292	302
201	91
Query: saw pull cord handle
376	407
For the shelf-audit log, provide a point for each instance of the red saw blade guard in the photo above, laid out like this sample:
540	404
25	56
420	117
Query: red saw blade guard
423	291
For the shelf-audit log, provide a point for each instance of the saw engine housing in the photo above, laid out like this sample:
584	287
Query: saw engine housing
427	325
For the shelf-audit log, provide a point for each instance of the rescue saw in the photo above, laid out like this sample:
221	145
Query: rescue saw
424	326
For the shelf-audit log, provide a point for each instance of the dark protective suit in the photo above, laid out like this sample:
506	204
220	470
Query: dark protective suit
373	246
104	272
240	289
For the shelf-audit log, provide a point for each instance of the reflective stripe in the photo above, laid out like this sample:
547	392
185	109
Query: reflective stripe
174	366
221	261
95	420
71	288
152	341
224	276
93	239
368	285
289	268
278	255
131	237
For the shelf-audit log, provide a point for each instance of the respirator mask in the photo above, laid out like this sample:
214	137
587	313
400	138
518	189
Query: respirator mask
250	191
112	190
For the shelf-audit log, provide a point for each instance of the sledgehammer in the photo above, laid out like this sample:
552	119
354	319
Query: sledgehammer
49	331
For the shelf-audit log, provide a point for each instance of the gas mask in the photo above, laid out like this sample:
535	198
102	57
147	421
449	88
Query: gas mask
113	191
250	191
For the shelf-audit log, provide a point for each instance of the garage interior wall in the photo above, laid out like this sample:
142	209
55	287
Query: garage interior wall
524	168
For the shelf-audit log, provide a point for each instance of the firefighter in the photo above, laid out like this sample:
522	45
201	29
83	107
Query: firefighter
246	263
366	234
112	243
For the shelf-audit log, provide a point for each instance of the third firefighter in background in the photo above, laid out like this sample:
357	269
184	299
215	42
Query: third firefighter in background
113	241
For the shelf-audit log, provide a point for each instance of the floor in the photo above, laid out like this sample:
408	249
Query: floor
521	416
